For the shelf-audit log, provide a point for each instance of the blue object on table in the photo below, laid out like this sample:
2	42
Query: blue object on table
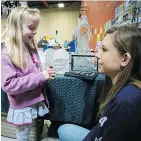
46	47
72	46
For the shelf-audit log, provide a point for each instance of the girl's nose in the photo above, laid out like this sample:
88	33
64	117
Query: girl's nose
34	32
98	54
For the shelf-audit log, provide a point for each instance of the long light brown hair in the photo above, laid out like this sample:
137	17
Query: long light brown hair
12	35
127	39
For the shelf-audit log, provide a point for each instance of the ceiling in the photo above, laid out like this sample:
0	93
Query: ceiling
50	4
38	4
7	6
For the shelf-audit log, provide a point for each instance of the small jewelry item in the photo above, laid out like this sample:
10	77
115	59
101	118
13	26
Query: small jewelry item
51	67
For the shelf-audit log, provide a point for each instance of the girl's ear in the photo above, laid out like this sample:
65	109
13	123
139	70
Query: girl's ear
125	59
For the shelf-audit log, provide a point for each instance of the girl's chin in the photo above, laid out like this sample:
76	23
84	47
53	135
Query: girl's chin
28	41
100	70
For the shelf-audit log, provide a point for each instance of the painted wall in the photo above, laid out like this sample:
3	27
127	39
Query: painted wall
99	12
64	20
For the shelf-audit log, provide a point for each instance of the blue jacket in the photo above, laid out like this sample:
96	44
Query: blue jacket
72	46
121	121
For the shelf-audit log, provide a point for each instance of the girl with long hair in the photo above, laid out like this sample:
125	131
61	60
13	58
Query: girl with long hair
120	102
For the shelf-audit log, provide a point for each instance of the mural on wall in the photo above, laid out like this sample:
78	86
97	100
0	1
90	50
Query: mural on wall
104	14
98	13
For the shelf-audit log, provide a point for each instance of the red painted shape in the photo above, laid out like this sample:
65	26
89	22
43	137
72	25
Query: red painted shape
45	3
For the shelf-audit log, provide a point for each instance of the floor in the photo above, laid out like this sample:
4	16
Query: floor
45	139
43	136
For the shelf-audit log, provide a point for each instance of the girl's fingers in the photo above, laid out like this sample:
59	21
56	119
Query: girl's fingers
52	78
52	74
51	71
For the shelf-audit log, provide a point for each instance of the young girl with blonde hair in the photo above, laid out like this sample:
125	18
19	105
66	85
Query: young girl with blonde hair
22	76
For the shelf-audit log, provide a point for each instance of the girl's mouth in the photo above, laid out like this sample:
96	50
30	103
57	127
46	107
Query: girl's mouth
30	37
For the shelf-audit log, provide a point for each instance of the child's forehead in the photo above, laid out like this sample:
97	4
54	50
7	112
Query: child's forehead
31	18
31	21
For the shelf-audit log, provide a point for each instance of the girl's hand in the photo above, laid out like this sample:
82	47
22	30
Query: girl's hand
49	73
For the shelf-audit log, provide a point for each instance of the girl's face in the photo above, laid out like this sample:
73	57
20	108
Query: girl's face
29	29
109	58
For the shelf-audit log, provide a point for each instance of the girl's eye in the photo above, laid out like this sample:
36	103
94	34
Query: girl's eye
31	28
103	49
